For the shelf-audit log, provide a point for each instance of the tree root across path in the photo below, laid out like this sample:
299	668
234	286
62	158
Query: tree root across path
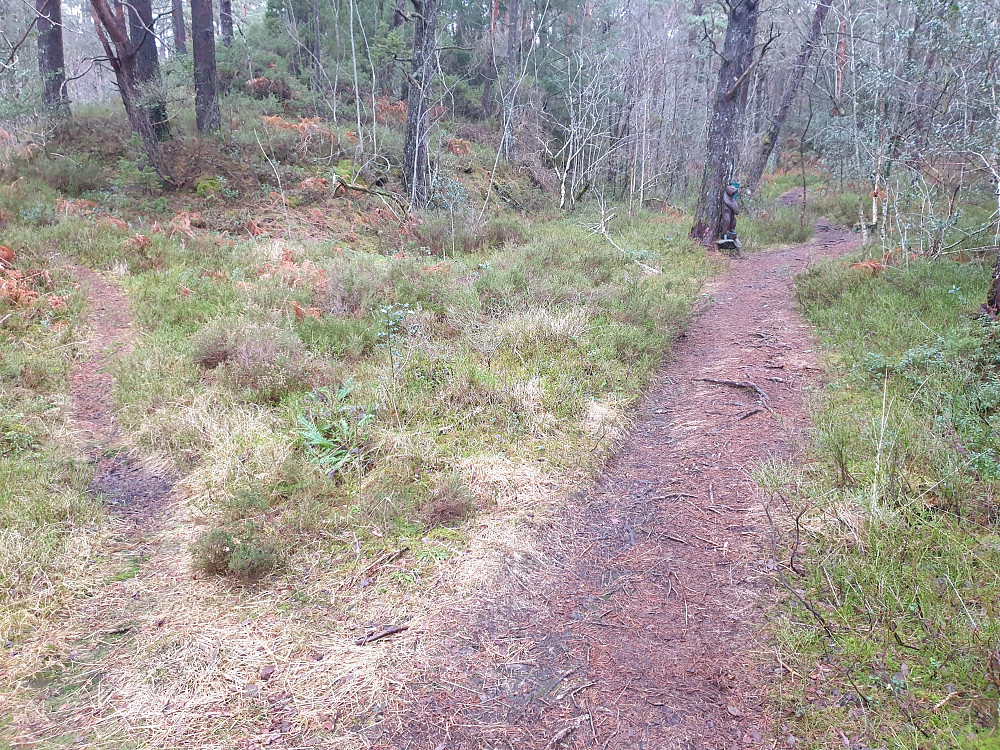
644	628
125	484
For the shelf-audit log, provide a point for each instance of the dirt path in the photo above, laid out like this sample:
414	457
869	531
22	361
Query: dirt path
127	487
647	631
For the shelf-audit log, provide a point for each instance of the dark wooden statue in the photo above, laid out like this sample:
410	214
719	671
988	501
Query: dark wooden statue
730	210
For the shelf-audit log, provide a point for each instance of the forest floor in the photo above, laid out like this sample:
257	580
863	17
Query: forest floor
131	490
633	614
646	628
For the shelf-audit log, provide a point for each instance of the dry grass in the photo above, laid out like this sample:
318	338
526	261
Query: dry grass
187	673
238	444
525	329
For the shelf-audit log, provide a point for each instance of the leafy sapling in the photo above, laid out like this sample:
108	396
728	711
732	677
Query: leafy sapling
331	429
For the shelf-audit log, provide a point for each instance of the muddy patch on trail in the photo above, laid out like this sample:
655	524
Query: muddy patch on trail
126	485
128	488
647	628
793	197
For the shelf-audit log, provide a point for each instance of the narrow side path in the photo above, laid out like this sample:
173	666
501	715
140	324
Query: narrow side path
127	487
647	632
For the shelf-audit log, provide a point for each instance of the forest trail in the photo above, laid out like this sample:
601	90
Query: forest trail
647	630
129	488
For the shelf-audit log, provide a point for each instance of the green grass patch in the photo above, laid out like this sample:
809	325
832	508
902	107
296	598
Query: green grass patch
46	516
347	388
897	552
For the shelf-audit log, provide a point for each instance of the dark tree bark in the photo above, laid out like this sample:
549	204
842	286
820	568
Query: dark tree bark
415	158
317	48
992	306
206	94
513	46
180	35
51	61
491	66
399	14
792	87
147	64
727	118
226	21
112	30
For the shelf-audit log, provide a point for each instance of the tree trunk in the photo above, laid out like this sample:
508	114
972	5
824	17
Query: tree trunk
112	30
727	118
51	62
180	36
491	66
147	64
992	306
318	49
415	159
838	86
398	14
513	33
206	95
226	21
773	131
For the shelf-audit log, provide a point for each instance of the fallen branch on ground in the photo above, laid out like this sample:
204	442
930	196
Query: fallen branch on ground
566	732
746	385
384	633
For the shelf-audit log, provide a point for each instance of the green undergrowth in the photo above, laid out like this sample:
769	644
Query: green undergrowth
891	632
345	389
336	393
46	517
766	222
342	414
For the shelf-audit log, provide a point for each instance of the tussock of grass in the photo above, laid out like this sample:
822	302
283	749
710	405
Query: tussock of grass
899	554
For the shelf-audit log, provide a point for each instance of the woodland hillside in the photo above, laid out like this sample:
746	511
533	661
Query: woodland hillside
391	374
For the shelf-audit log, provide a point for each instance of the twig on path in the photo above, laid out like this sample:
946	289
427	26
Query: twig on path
384	633
740	418
387	558
784	666
795	547
570	693
561	677
781	576
683	591
746	385
945	702
674	494
566	732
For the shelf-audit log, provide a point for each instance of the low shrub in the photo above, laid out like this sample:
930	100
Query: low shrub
785	225
500	232
450	501
212	551
245	555
838	208
266	363
461	235
71	177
